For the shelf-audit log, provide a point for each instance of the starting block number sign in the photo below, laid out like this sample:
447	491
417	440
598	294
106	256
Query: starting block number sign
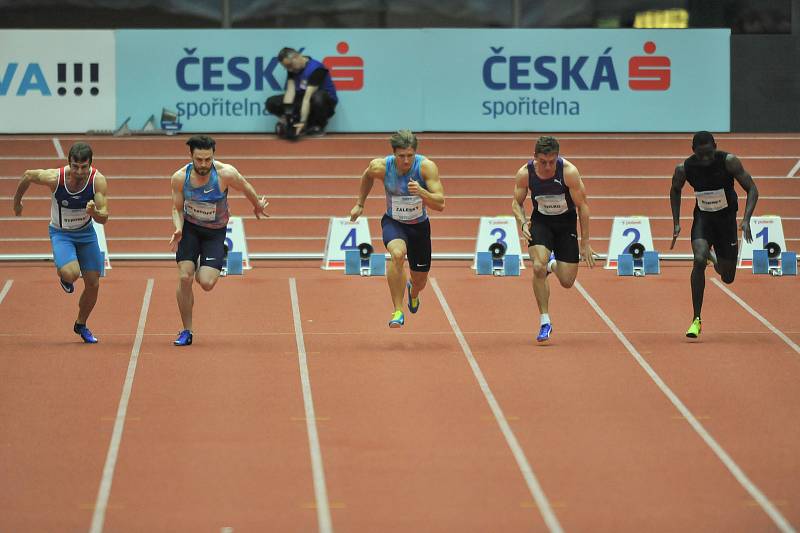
236	241
502	230
765	229
624	232
101	241
343	235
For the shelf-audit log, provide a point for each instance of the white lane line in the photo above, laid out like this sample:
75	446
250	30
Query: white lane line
318	471
758	316
794	170
733	468
450	177
59	150
659	197
6	288
534	487
100	506
368	157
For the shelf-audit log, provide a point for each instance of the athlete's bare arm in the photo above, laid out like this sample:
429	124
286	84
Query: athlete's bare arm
176	183
678	180
47	177
735	167
97	208
375	171
433	193
230	177
577	191
518	204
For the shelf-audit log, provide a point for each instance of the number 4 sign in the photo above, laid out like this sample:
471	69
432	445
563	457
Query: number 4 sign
624	232
343	235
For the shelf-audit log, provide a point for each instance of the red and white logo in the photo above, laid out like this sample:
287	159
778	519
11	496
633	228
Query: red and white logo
347	72
649	73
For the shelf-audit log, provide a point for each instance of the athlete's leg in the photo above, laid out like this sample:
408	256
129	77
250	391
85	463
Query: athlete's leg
207	277
700	250
184	293
540	255
566	273
91	286
395	272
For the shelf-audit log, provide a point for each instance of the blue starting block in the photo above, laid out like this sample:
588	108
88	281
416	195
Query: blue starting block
776	263
233	266
507	265
648	262
364	262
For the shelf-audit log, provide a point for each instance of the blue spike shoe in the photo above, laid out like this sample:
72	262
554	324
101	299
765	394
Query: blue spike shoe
544	333
184	338
69	288
413	303
398	319
84	332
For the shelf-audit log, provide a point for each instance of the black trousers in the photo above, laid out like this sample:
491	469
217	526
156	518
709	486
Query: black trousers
323	108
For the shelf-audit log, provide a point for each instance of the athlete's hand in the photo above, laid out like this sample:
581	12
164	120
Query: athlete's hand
261	208
675	232
587	254
18	208
526	230
299	128
745	227
356	212
415	188
176	238
91	208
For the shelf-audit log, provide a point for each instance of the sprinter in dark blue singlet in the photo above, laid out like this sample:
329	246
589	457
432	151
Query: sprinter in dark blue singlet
412	185
559	200
200	214
78	202
711	173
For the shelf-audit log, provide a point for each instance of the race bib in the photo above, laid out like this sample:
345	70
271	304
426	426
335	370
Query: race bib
73	218
711	200
405	208
204	211
551	204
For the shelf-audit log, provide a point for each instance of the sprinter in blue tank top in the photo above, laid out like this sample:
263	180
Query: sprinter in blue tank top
559	200
200	214
412	185
78	201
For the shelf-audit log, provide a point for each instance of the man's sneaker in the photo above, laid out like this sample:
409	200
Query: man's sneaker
413	303
544	333
224	270
84	332
315	131
398	319
69	288
551	263
184	338
694	330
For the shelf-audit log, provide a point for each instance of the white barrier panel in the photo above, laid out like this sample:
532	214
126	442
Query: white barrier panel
765	229
624	232
101	240
54	81
236	240
343	235
498	229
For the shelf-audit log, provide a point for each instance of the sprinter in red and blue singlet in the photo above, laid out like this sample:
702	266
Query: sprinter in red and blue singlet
78	202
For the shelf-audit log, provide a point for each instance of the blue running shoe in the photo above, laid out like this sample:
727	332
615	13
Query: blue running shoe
413	303
398	319
84	332
184	338
544	333
69	288
550	260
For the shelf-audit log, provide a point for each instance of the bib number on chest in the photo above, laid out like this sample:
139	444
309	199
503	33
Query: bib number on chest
405	208
73	218
201	210
711	200
551	204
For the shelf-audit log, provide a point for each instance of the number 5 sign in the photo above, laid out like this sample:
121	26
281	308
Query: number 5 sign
624	232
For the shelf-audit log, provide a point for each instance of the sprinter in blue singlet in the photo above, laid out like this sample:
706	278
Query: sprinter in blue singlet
559	200
200	214
78	201
412	185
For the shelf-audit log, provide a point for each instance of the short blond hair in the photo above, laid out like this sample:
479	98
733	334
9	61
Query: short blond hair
403	139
